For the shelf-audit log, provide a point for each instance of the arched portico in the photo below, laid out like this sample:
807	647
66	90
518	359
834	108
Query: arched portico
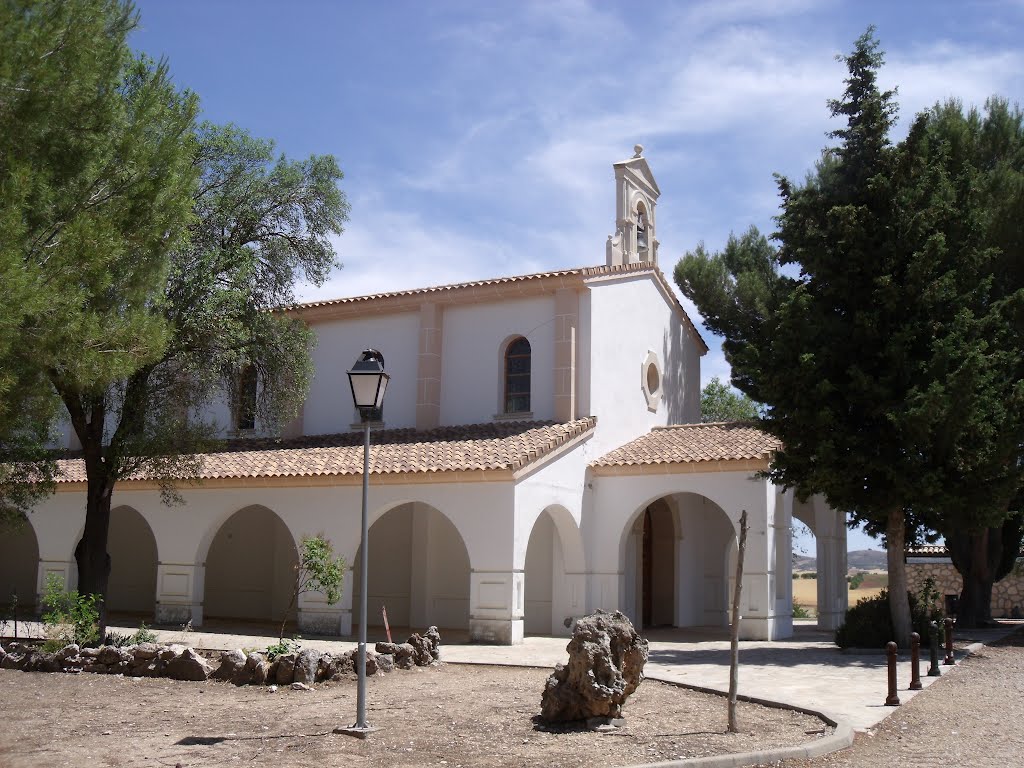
675	553
249	567
553	572
419	570
19	569
706	500
829	529
131	588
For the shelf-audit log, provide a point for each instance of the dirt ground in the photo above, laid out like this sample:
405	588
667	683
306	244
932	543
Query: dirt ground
452	715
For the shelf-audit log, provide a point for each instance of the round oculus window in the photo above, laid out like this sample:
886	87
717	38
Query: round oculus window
653	376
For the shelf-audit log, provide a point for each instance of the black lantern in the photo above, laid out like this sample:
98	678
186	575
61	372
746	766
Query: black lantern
368	382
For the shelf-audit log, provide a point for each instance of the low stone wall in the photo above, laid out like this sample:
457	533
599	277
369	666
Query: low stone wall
1007	595
178	662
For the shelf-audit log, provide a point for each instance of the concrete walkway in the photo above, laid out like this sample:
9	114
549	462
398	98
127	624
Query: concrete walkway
807	671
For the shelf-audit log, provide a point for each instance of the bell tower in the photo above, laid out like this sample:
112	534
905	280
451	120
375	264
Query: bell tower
636	194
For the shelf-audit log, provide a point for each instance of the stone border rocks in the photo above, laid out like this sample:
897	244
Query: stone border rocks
179	662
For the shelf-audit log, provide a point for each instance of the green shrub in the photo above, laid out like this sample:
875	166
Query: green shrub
143	634
284	645
810	575
118	640
856	580
800	612
869	625
69	617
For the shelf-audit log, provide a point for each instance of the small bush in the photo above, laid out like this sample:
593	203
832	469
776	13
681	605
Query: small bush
800	612
143	634
856	580
283	646
69	617
869	625
118	640
811	575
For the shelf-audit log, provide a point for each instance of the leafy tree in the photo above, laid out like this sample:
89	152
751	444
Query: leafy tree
260	224
162	249
94	179
318	570
978	161
882	364
720	402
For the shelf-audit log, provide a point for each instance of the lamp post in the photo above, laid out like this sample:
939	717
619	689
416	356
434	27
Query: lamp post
368	382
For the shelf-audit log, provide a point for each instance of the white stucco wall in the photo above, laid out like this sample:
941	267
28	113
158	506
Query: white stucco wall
472	367
628	318
339	343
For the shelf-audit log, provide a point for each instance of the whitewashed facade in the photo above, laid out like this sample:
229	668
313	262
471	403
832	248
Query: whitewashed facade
598	506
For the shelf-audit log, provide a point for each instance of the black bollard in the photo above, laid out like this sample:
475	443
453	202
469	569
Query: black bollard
915	662
933	636
892	700
949	660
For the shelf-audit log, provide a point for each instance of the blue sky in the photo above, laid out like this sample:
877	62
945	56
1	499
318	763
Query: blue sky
477	137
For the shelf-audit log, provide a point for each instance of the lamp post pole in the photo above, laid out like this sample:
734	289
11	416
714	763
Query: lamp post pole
364	571
369	382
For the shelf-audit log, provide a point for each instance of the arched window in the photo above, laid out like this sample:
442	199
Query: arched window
642	240
517	376
245	406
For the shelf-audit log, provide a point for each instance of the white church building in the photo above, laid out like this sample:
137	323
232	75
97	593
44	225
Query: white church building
540	455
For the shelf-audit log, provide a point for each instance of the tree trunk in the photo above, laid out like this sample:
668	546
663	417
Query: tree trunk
899	602
91	552
975	555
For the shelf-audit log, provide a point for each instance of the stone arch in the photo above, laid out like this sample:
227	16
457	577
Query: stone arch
249	567
19	568
423	577
554	573
829	530
131	588
674	554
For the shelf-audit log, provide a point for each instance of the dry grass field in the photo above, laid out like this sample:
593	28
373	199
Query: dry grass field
805	591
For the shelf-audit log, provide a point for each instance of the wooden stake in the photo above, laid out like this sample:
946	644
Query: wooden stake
734	651
387	628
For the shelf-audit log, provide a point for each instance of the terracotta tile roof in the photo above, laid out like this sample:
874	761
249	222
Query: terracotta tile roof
503	445
490	289
687	443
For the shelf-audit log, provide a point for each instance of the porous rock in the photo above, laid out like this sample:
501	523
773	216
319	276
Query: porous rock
188	665
259	668
385	662
306	665
402	653
426	647
606	664
230	663
146	651
324	668
285	674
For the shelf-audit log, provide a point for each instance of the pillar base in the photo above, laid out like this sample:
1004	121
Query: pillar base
323	622
179	613
496	631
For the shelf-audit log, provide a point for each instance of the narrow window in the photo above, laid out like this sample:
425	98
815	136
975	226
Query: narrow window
245	408
517	376
641	230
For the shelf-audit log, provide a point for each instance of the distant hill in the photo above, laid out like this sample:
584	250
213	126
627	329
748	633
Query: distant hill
867	560
858	560
803	563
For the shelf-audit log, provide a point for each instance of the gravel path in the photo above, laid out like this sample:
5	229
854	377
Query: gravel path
971	718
